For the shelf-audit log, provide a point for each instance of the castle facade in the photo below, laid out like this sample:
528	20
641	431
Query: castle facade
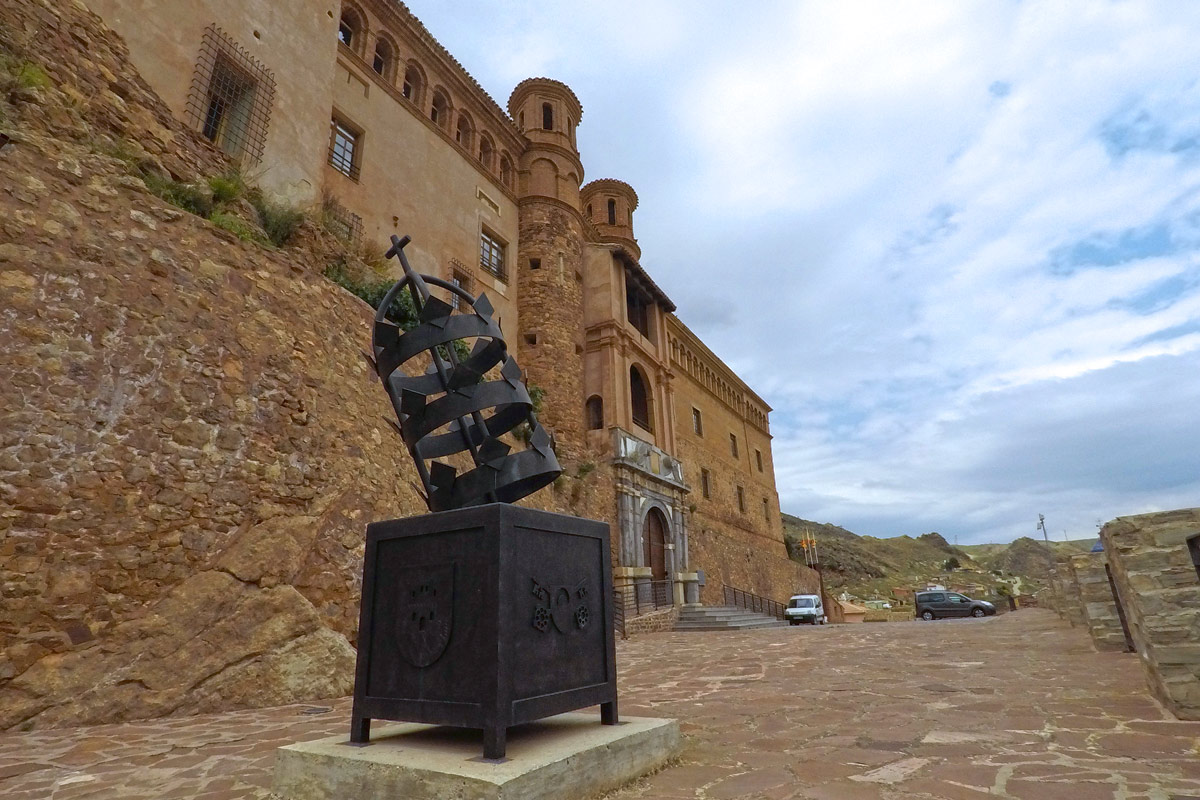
359	107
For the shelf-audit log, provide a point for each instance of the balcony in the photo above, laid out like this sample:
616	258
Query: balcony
644	457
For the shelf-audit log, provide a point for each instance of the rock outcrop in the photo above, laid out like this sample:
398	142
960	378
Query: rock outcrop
190	441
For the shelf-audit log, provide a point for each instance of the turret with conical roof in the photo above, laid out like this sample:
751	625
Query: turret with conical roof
550	255
609	205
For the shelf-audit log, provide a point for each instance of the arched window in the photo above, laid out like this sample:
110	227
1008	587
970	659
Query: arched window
589	211
350	28
385	58
639	396
412	83
462	132
439	112
547	117
486	152
612	212
506	170
595	413
521	122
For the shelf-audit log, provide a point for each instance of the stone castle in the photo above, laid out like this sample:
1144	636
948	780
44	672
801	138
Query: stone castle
193	443
359	104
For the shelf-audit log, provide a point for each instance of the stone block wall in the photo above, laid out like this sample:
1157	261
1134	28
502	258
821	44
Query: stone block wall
1099	606
1158	582
748	564
1070	605
658	622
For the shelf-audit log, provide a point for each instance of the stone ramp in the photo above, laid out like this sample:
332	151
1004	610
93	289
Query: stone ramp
720	618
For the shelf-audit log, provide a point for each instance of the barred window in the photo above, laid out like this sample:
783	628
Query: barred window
341	222
705	482
344	149
229	102
697	422
491	255
462	281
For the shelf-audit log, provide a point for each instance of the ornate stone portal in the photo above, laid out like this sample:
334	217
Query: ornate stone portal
481	614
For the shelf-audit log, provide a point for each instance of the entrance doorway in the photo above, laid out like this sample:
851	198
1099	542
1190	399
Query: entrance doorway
654	537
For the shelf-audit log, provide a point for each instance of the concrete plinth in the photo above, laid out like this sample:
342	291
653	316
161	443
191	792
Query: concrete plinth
566	756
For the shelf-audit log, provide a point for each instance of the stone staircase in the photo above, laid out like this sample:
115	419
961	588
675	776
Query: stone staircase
722	618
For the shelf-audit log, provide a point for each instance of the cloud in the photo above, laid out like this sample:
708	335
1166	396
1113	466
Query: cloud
956	246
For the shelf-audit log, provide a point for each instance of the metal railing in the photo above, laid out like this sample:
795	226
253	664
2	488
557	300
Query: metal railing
643	598
752	602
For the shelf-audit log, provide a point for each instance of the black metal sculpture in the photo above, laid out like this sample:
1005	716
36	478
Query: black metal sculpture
466	393
481	614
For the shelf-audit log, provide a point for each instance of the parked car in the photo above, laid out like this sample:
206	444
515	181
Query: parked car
805	608
934	605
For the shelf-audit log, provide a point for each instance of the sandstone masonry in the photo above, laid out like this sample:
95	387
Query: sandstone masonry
1155	562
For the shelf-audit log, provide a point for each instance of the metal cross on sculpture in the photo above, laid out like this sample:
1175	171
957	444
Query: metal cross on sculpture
458	405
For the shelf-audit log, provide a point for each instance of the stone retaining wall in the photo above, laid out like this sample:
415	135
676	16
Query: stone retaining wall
1159	586
1099	607
657	622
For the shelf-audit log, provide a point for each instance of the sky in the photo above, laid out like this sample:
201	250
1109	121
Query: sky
955	246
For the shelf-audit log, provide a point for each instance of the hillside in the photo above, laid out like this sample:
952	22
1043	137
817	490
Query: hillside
869	567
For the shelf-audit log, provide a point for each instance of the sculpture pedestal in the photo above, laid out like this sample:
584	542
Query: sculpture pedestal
485	617
560	758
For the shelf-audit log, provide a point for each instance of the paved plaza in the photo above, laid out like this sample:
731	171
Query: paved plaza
1018	706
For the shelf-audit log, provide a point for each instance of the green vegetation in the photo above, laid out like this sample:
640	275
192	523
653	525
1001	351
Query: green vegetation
239	228
279	220
18	74
215	198
372	288
191	198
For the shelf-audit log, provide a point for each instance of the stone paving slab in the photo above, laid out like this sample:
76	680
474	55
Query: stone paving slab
1018	706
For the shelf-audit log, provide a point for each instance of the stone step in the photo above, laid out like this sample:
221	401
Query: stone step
719	618
733	627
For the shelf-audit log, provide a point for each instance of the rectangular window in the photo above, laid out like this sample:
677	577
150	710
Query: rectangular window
462	281
705	482
697	422
758	458
230	98
341	222
733	448
741	494
766	510
345	149
491	255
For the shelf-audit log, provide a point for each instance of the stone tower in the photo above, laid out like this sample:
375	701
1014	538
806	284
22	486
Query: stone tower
609	205
549	266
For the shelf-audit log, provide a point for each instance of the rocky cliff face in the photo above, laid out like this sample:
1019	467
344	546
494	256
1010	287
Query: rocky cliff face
190	441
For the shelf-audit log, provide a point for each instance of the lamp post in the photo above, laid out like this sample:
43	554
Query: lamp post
1042	527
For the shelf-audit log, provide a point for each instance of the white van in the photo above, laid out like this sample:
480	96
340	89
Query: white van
805	608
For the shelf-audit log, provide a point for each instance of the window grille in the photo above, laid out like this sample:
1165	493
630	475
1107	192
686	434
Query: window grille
229	102
342	222
344	153
491	256
697	422
462	281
